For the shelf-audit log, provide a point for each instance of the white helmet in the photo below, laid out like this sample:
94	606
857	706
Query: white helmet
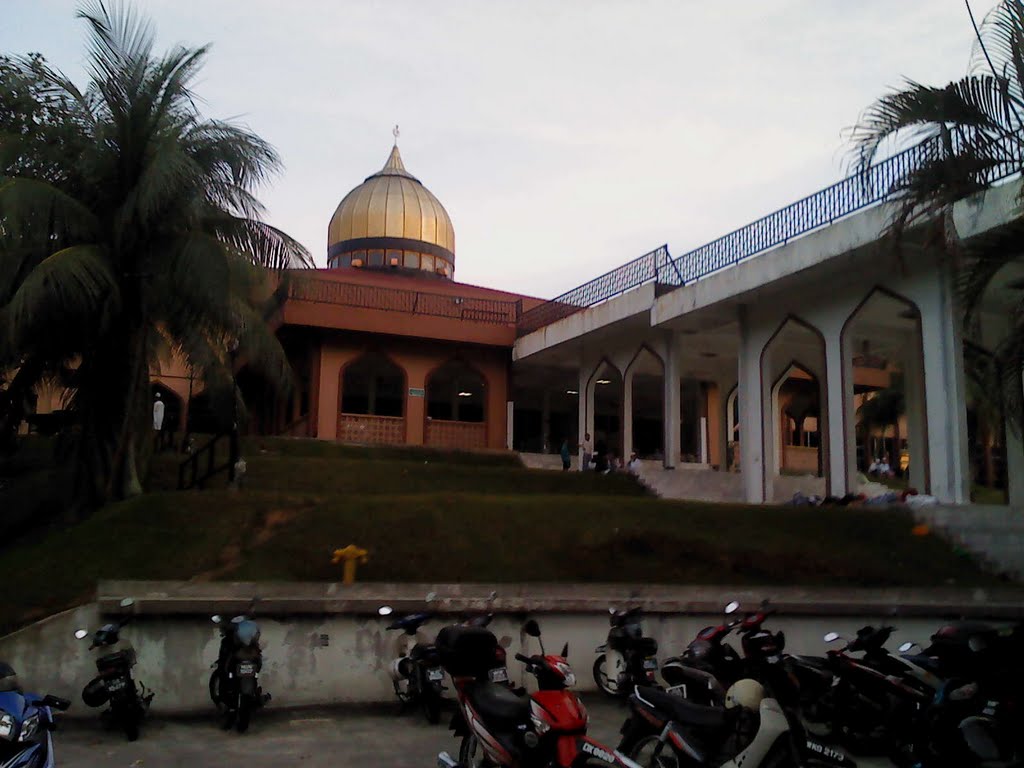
744	693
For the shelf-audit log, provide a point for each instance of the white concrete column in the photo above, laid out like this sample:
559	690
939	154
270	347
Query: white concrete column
835	426
627	415
751	424
1015	466
946	410
510	407
585	409
670	400
914	397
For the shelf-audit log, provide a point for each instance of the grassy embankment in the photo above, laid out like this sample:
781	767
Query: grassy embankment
448	517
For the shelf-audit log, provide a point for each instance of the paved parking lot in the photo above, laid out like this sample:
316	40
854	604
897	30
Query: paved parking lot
329	738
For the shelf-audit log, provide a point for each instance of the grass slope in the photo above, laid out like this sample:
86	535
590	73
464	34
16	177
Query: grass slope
430	516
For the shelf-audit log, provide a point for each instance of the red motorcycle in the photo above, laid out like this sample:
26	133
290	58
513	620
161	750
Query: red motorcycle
509	729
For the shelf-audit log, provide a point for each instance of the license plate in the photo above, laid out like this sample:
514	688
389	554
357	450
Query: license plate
499	675
116	684
246	669
435	674
650	663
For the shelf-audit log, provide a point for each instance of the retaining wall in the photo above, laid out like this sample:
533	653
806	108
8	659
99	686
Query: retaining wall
325	644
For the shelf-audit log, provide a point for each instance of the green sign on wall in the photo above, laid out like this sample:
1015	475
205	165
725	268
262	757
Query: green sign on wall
416	392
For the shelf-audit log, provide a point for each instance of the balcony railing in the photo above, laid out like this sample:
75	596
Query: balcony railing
821	209
637	272
402	300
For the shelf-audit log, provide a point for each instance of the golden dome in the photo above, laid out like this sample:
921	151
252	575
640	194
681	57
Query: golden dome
391	221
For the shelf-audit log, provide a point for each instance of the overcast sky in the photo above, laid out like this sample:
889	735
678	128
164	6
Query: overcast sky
564	137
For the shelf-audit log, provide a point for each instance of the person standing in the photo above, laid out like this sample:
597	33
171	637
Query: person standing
158	418
587	452
566	456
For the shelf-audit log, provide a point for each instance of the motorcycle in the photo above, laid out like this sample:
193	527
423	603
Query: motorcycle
234	683
509	728
416	673
128	699
627	658
26	722
755	722
708	665
876	702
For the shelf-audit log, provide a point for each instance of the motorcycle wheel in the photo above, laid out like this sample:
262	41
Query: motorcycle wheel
130	726
430	703
244	713
652	752
471	755
601	677
215	689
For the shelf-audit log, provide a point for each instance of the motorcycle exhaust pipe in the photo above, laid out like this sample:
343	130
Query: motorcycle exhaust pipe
444	760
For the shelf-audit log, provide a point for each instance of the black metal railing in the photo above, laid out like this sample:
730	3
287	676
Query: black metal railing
813	212
198	468
637	272
401	300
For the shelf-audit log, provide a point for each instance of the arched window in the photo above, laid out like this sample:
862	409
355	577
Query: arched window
373	385
455	392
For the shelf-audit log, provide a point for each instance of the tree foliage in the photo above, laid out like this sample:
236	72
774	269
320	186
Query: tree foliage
131	230
968	133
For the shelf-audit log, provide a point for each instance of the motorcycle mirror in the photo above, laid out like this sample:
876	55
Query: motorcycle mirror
216	619
611	609
127	603
906	647
81	634
431	597
732	607
976	643
384	610
532	628
831	637
491	597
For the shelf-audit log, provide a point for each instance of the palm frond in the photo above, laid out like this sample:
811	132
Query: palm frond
69	289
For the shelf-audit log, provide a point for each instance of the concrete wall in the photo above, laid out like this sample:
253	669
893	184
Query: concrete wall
175	652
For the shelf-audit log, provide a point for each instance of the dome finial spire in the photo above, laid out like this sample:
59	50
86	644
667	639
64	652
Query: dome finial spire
396	132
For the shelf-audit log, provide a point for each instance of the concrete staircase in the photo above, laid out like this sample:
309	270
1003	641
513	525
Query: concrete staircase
993	533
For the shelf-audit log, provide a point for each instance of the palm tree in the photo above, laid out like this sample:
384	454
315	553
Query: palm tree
967	134
149	241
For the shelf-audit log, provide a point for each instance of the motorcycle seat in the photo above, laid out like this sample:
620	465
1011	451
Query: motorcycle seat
683	711
497	702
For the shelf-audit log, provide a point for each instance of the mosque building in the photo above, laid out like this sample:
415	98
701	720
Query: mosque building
388	347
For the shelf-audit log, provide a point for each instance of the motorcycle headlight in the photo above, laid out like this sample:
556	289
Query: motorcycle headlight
568	675
539	725
6	726
29	728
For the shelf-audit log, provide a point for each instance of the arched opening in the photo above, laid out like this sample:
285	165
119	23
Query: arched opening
607	386
795	413
646	377
456	407
885	380
372	401
373	385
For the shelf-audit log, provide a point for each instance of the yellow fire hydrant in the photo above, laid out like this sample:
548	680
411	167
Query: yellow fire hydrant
350	555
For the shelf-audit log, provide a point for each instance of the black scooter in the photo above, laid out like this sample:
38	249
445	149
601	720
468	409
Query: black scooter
417	673
127	698
234	682
627	659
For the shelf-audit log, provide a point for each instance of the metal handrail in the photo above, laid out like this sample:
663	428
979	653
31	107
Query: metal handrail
854	193
635	273
493	311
